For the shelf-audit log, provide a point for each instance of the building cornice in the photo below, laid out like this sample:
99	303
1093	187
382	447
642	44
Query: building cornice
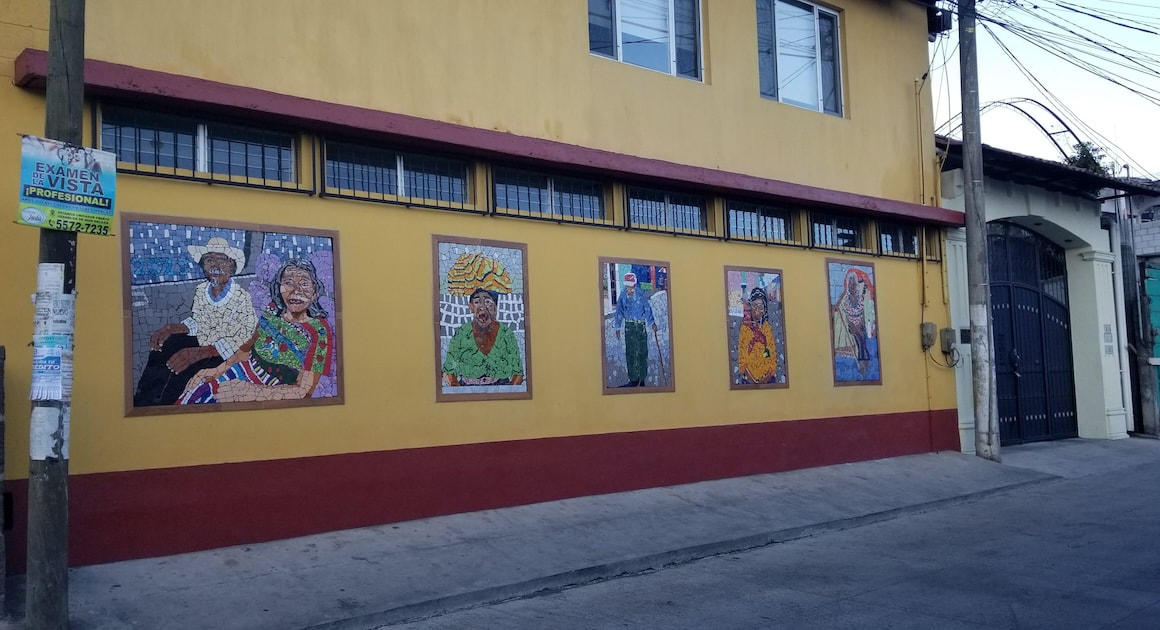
106	79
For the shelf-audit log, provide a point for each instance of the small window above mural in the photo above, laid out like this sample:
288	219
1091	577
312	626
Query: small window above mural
376	174
540	195
668	211
162	143
761	223
898	239
833	231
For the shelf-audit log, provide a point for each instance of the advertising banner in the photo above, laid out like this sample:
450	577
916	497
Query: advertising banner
66	187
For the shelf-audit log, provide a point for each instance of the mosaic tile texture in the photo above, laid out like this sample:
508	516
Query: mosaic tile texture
756	320
853	322
635	354
222	315
482	334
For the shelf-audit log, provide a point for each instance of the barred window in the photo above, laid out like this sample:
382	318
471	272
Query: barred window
157	142
756	222
248	152
667	211
933	240
541	195
837	232
370	172
898	239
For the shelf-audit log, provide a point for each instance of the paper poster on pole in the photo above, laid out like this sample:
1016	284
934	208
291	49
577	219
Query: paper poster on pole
45	429
66	187
52	337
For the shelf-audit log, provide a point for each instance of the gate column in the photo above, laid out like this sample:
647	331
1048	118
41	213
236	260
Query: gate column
1095	346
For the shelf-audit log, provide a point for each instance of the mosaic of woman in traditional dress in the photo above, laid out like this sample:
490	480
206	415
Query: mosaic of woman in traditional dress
481	328
226	313
636	339
756	321
853	322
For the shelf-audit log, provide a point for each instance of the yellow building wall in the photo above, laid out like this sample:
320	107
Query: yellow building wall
381	55
523	66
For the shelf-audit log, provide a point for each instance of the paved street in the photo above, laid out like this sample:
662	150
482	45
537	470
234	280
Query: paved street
1080	552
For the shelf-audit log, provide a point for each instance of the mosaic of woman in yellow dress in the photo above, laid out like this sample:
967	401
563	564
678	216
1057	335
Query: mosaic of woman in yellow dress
756	345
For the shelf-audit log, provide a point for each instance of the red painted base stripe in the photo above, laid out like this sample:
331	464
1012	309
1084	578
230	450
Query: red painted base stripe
146	513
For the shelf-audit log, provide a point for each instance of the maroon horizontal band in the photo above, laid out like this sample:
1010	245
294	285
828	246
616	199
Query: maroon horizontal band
103	78
147	513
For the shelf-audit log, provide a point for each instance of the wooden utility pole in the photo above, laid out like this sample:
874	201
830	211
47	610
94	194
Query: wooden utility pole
47	598
978	274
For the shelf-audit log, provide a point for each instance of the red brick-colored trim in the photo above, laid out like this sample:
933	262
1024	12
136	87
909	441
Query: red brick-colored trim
103	78
146	513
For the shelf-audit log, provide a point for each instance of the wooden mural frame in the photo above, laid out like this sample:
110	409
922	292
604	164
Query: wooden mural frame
130	384
672	372
728	337
440	396
830	321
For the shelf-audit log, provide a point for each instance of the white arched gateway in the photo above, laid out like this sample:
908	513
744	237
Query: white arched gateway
1058	327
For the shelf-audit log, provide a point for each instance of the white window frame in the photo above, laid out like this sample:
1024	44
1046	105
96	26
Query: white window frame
821	105
617	38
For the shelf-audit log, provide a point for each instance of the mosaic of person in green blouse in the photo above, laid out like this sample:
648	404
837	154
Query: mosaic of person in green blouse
484	352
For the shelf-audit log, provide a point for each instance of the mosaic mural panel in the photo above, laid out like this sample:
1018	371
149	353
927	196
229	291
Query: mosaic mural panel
853	322
755	317
227	315
635	329
481	319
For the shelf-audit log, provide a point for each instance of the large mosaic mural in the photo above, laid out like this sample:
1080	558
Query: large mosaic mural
853	322
481	319
756	322
635	326
225	315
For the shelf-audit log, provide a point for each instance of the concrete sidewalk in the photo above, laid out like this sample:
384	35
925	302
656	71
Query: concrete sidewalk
373	576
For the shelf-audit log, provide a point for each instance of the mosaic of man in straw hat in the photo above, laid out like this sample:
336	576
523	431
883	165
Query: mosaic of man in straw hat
222	319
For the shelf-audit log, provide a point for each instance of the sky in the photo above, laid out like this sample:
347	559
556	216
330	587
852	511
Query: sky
1125	124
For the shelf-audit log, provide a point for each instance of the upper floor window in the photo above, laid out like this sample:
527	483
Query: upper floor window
663	35
755	222
667	211
549	196
156	142
373	173
797	54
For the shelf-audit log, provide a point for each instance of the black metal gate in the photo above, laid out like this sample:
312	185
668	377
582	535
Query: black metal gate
1032	331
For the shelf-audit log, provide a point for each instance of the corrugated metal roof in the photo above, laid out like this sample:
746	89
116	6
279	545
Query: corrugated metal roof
1024	169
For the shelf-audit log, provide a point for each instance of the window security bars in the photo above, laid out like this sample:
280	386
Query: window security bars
664	35
156	143
830	231
898	239
542	196
761	224
362	172
933	243
187	147
664	211
797	55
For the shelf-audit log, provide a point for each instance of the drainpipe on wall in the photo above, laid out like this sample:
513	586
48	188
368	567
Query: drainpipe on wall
1121	323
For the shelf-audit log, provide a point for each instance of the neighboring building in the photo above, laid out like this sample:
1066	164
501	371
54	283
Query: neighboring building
1057	314
340	229
1143	233
1145	212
